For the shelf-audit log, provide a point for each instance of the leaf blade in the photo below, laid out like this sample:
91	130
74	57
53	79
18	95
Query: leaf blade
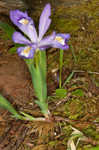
6	105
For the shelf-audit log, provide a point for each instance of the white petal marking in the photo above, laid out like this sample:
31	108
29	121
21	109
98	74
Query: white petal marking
26	51
60	40
23	21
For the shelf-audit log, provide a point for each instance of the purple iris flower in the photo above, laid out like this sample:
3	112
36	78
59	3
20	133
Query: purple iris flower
34	41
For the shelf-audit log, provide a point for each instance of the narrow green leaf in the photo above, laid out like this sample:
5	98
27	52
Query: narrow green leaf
7	29
38	74
27	116
12	50
39	84
68	78
43	106
78	92
73	53
37	69
6	105
43	62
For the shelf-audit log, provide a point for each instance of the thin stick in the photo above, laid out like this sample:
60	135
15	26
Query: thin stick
90	72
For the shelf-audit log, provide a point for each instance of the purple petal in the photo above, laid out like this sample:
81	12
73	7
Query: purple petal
47	41
26	52
45	21
65	36
19	38
24	23
58	45
44	48
60	41
17	15
31	32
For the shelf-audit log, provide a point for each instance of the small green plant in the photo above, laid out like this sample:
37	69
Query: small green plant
31	47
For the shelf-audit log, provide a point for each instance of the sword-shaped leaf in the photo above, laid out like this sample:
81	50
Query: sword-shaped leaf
4	103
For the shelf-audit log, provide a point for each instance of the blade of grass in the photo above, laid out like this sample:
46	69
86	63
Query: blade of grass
68	78
6	105
73	53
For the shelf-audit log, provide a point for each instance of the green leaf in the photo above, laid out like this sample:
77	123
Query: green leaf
68	78
27	116
38	74
73	53
12	50
6	105
7	29
43	62
43	106
61	93
39	84
78	92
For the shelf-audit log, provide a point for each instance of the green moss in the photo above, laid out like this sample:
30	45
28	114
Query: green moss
52	144
91	132
68	25
74	109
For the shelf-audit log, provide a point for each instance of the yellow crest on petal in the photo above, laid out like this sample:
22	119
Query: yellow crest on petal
60	40
26	51
24	21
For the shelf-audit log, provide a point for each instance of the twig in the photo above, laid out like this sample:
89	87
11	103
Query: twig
90	72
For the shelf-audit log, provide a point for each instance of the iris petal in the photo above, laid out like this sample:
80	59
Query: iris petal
64	36
60	41
56	44
24	23
17	15
45	21
47	41
19	38
25	52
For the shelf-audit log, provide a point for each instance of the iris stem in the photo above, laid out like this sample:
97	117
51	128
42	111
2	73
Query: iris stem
37	58
60	67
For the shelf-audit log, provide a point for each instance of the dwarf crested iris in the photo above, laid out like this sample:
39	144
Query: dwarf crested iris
34	41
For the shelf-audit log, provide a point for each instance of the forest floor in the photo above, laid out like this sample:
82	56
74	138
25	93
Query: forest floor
78	110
